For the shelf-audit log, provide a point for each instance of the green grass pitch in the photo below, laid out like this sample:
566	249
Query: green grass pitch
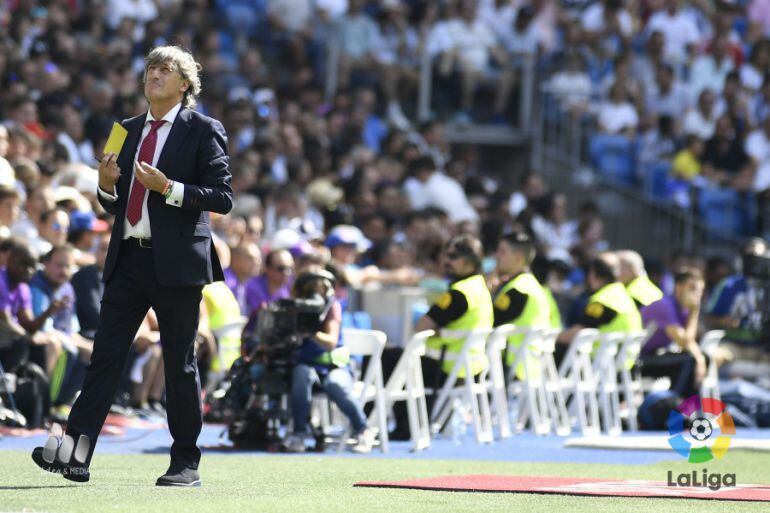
323	483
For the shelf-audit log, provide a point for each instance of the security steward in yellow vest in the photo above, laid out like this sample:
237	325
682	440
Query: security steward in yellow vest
521	300
467	305
633	275
609	309
222	309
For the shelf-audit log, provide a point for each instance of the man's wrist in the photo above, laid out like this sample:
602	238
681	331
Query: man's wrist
109	189
166	191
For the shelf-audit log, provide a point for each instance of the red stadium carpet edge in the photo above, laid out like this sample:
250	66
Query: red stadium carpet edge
576	486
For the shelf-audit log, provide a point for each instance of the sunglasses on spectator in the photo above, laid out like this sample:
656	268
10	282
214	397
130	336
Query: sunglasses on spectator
454	255
57	227
285	269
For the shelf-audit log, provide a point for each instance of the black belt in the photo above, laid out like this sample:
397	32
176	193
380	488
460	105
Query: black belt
139	243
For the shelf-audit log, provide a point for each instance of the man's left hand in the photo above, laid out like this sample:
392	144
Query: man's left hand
152	178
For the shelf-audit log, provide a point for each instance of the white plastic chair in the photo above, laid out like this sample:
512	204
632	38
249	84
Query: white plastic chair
494	374
709	344
472	394
527	390
631	385
406	384
554	396
606	374
369	343
576	376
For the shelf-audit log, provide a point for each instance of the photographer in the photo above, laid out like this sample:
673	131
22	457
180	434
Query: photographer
738	304
323	359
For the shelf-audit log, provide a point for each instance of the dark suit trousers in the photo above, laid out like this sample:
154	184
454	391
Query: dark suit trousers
132	289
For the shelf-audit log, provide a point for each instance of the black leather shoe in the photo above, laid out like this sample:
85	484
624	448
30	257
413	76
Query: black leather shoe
177	475
77	473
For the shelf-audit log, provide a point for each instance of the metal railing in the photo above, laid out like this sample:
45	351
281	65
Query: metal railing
631	220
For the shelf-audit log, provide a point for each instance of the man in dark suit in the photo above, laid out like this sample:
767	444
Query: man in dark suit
171	171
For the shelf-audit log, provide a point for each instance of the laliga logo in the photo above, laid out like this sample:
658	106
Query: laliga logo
706	416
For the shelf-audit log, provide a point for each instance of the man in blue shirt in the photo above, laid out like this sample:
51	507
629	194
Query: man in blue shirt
50	286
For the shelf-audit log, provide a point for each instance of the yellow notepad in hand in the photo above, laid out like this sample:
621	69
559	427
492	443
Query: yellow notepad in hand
116	139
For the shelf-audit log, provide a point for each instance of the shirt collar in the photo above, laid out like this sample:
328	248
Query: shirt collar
169	117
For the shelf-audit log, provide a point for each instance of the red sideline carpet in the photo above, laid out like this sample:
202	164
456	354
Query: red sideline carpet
576	486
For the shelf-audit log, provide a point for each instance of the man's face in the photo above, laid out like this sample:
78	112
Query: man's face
9	211
689	293
281	268
164	83
55	228
59	269
248	261
455	264
345	254
509	261
40	200
21	267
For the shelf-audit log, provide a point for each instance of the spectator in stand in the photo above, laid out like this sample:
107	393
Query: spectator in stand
9	210
572	85
473	52
710	70
680	30
670	97
429	187
49	286
618	115
245	265
607	25
88	286
84	232
39	199
53	227
724	160
358	35
553	229
646	64
273	284
686	164
757	147
752	72
702	119
532	187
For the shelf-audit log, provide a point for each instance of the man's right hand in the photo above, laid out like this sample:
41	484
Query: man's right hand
109	172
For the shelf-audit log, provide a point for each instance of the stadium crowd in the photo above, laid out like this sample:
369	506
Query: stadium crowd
350	182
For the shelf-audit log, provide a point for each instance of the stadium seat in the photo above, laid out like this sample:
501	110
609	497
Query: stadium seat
370	388
709	344
720	210
614	157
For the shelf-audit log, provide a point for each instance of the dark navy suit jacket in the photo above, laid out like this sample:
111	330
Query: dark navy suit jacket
195	154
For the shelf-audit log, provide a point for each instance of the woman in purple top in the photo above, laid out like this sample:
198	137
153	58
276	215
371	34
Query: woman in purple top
676	321
272	285
17	318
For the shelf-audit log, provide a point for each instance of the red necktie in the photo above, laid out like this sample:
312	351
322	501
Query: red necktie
146	153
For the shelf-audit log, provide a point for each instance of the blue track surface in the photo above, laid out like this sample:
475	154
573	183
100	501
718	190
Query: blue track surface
522	447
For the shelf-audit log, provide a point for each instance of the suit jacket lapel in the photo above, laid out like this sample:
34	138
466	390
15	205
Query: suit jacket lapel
176	137
128	153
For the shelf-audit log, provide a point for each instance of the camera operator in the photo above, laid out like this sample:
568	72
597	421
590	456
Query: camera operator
739	303
323	359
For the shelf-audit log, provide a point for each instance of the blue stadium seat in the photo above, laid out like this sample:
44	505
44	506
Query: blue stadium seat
720	210
614	156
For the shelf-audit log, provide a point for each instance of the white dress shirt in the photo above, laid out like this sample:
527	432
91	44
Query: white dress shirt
142	228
